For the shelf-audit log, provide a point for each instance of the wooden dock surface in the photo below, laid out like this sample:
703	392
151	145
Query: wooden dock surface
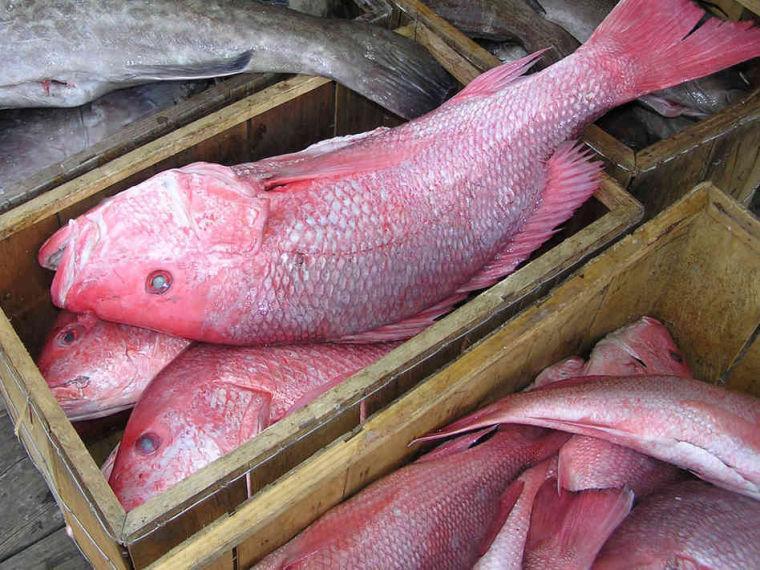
32	531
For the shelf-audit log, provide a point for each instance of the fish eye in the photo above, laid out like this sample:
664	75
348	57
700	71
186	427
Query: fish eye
148	443
677	357
158	282
69	336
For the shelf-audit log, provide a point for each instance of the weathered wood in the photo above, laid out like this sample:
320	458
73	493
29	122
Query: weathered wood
55	551
29	510
665	269
753	5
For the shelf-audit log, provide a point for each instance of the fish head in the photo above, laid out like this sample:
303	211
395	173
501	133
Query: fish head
76	365
192	414
644	347
158	255
95	368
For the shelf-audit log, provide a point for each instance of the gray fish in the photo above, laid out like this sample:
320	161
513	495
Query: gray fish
507	20
505	51
321	8
580	18
687	525
698	98
638	127
32	139
64	53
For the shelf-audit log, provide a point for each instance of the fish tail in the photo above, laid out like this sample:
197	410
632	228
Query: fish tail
658	44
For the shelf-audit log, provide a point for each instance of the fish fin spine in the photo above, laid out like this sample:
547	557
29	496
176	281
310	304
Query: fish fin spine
659	47
498	78
571	179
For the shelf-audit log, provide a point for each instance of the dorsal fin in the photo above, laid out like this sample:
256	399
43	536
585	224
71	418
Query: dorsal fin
340	156
497	78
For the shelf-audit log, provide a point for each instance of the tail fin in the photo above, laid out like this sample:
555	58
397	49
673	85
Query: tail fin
572	527
654	41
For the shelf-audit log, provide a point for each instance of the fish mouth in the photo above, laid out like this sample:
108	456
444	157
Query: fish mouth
65	252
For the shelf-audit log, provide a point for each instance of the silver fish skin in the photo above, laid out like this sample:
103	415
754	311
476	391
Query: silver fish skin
33	139
687	525
64	53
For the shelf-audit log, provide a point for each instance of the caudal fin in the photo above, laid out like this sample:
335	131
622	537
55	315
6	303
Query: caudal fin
568	529
658	47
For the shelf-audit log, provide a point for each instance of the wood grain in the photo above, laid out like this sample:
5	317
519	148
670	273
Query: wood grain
55	551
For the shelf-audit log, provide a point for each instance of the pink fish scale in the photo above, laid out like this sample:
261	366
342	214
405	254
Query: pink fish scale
428	224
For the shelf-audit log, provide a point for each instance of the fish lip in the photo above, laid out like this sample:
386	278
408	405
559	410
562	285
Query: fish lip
80	240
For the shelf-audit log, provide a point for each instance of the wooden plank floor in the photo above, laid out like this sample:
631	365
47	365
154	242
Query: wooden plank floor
32	531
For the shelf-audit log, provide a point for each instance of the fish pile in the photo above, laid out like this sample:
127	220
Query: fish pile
306	267
587	468
509	27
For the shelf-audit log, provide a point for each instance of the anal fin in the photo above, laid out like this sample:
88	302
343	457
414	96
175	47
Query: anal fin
571	179
407	328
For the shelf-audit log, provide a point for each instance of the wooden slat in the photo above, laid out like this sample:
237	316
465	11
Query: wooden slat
29	511
753	5
477	56
56	551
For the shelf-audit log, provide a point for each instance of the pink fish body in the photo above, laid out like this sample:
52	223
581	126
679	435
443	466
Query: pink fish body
688	525
212	399
644	347
692	424
370	237
592	463
567	530
96	368
438	512
506	551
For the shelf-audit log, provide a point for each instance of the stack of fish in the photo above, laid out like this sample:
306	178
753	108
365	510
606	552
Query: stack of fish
510	27
547	478
296	261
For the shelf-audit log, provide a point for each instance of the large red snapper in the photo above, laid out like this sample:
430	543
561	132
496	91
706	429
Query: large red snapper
353	235
697	426
212	399
96	368
442	511
688	525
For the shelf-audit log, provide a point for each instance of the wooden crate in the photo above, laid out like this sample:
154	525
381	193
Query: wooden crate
724	148
164	121
696	267
284	117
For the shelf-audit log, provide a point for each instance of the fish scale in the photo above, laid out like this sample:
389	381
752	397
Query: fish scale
455	497
439	206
